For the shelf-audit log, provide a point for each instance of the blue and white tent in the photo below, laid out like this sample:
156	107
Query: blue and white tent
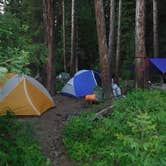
82	84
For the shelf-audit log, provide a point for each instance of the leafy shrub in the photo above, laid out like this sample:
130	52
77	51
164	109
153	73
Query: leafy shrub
59	85
17	145
17	49
135	134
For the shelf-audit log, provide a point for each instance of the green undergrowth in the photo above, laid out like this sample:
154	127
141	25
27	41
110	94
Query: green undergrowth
134	134
17	147
59	86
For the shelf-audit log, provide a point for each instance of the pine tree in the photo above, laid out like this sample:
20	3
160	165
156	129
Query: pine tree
103	50
64	35
118	38
155	28
140	44
49	25
72	58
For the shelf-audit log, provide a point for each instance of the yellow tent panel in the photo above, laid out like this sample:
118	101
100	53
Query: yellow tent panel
44	101
25	96
17	102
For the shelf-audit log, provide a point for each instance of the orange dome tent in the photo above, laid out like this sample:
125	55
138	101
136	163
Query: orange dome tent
25	96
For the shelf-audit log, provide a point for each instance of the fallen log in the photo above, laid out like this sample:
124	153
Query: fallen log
102	112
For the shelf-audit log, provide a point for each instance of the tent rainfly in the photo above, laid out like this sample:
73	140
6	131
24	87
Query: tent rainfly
159	63
24	96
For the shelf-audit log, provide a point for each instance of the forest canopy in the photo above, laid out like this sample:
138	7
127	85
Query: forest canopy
23	40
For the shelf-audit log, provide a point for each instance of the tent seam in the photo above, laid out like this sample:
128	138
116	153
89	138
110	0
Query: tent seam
29	99
42	90
94	77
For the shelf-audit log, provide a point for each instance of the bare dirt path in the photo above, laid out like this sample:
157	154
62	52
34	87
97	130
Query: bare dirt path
49	128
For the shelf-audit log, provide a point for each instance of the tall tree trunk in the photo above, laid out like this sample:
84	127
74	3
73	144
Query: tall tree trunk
72	58
140	44
76	38
155	28
76	54
103	50
118	38
64	35
49	22
111	32
45	21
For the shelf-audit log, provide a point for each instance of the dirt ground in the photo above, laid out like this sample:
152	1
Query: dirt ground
49	128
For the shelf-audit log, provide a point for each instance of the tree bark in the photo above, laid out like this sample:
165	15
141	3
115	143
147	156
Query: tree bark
103	50
45	21
64	35
49	22
140	44
155	28
76	38
118	38
72	58
111	32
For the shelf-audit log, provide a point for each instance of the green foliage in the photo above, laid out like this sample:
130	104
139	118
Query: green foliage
3	72
59	85
16	49
12	53
135	134
79	128
127	38
17	145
